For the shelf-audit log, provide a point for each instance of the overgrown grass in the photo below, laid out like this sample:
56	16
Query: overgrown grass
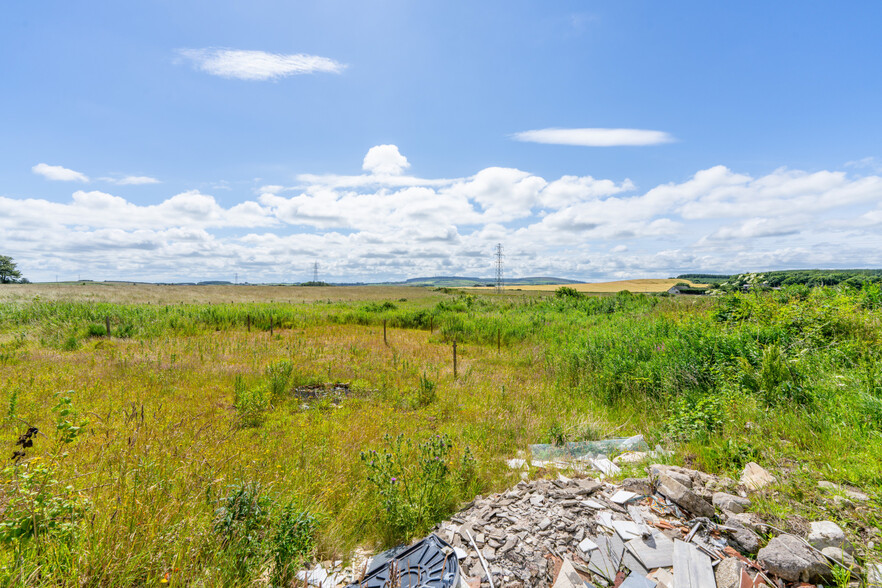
199	464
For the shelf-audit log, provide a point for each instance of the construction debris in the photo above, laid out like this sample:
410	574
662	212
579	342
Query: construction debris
677	528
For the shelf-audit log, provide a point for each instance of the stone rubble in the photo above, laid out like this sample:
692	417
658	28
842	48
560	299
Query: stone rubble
597	532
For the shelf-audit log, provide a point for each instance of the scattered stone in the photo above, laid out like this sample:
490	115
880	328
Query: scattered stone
746	540
828	534
684	497
755	477
640	486
730	502
790	558
728	573
631	457
544	524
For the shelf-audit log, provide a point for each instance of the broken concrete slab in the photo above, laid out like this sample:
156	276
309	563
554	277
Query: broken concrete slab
605	466
623	496
587	545
828	534
656	551
755	477
793	560
637	581
692	567
684	497
627	530
568	577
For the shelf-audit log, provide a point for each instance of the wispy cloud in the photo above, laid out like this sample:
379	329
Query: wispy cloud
595	137
871	163
58	173
131	180
257	65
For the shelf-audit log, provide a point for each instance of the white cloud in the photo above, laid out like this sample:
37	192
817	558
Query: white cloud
58	173
595	137
257	65
383	224
385	160
131	180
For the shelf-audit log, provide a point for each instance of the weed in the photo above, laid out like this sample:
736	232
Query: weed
251	402
426	392
415	483
692	418
293	542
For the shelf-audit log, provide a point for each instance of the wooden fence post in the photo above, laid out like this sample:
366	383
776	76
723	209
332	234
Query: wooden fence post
248	322
384	333
454	359
431	324
271	325
107	325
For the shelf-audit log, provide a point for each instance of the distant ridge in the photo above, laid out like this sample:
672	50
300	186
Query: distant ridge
468	282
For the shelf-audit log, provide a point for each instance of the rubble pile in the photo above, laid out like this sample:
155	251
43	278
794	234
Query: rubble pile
676	527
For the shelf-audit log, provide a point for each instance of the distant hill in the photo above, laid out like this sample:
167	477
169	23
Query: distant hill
469	282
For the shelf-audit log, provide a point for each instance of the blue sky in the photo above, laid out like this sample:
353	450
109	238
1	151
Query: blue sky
195	140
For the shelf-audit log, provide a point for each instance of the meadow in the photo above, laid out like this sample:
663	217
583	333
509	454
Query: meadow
189	445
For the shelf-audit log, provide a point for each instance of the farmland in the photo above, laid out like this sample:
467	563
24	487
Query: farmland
153	441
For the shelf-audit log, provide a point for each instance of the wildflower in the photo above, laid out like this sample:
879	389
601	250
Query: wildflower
394	480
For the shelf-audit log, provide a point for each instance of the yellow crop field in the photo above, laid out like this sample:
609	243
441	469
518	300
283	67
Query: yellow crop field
642	285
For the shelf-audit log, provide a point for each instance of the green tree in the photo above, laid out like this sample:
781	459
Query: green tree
9	274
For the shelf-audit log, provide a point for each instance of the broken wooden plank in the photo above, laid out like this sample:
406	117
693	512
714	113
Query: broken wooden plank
692	568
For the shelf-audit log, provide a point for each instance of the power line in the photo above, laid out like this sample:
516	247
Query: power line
315	272
499	256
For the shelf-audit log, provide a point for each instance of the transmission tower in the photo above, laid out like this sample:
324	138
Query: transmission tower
315	273
499	256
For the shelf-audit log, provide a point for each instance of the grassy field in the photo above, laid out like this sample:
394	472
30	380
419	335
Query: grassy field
179	449
648	285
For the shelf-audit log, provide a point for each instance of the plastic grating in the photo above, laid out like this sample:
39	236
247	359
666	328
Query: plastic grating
431	563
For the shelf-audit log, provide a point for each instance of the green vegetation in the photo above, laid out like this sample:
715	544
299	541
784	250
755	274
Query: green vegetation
775	279
185	454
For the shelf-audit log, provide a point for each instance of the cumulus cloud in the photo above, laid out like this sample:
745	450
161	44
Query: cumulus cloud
384	224
592	137
58	173
385	160
257	65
